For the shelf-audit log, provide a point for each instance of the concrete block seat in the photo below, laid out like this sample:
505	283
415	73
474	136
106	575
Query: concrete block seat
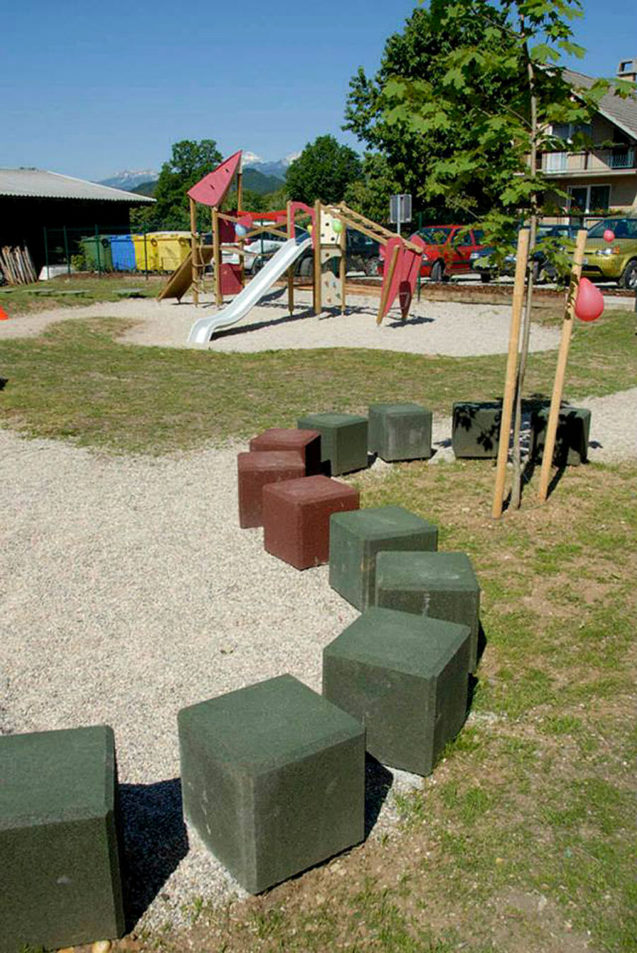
273	779
405	678
60	880
356	538
256	470
343	440
571	439
400	431
439	585
307	443
296	518
475	429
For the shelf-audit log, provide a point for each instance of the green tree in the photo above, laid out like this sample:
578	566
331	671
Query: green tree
322	171
189	161
492	99
370	194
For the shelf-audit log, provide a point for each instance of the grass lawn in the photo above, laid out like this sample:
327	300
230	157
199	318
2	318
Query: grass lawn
75	382
524	837
75	291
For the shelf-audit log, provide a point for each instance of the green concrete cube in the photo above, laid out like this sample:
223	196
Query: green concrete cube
441	585
272	779
406	678
475	429
343	440
355	539
571	439
400	431
59	873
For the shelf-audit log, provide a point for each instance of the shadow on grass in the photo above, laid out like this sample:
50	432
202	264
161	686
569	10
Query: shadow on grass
154	841
378	782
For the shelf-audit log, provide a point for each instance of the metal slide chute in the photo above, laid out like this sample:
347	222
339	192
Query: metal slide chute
202	330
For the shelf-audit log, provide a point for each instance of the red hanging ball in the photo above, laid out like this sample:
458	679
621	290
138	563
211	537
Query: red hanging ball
589	303
609	235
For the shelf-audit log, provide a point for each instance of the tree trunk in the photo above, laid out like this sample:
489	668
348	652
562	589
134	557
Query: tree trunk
516	486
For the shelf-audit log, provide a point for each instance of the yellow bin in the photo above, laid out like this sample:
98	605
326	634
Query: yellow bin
170	249
145	253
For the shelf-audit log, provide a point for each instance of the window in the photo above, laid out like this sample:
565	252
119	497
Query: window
589	198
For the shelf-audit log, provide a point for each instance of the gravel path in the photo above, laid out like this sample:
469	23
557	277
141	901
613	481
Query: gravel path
128	590
436	327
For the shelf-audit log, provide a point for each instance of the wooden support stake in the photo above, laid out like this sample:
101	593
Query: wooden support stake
511	371
216	255
194	252
291	268
560	372
318	304
388	282
343	263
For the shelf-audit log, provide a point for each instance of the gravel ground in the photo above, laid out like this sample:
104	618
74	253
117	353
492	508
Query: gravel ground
433	328
128	590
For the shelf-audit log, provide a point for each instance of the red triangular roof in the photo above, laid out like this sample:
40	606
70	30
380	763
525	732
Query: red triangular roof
211	190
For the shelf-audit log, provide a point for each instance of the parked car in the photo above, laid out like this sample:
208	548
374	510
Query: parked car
616	260
448	250
363	254
484	264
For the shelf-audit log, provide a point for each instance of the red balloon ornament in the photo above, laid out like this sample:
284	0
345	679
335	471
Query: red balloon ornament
589	303
609	235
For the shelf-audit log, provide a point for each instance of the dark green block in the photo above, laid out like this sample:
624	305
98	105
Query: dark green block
571	439
356	538
475	429
272	779
59	871
441	585
343	440
400	431
406	678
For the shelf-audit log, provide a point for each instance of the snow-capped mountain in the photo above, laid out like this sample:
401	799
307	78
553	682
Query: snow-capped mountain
277	167
129	179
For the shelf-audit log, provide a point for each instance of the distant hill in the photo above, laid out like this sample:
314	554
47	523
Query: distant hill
130	180
258	182
145	188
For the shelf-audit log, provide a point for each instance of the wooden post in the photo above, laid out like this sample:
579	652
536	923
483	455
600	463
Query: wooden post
242	274
216	254
511	371
194	252
560	372
291	268
318	304
391	268
343	263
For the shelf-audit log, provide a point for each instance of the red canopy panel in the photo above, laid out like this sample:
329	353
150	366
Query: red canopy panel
211	190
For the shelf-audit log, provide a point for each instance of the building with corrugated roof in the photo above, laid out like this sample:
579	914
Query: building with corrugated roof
37	207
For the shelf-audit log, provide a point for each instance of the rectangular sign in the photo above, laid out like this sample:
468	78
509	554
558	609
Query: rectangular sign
400	209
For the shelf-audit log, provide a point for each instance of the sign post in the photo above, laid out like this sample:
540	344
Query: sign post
399	210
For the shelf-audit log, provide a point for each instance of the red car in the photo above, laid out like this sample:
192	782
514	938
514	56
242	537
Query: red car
448	250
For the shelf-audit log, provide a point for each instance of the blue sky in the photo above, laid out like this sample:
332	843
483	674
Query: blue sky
93	88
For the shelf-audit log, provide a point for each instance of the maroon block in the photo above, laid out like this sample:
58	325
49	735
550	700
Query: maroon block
305	442
296	518
255	471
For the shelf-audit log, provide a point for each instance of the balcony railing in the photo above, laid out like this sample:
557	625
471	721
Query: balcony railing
598	160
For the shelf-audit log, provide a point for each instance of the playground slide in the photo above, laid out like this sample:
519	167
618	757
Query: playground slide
181	279
203	329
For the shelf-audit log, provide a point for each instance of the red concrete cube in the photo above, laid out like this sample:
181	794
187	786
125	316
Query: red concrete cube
296	518
305	442
255	471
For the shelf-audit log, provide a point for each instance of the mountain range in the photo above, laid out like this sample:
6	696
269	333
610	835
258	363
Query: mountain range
259	175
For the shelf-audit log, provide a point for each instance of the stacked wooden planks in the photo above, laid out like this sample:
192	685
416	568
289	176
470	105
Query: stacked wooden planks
17	266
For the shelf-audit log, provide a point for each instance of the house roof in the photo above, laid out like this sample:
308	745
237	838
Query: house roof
38	183
623	112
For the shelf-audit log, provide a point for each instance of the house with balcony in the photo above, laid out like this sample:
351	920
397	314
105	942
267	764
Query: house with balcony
602	179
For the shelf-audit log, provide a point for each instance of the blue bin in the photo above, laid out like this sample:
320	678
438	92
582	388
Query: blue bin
123	253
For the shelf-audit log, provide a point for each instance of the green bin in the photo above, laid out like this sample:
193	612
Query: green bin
97	252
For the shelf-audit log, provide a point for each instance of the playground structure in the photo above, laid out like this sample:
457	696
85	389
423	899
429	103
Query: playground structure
320	227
